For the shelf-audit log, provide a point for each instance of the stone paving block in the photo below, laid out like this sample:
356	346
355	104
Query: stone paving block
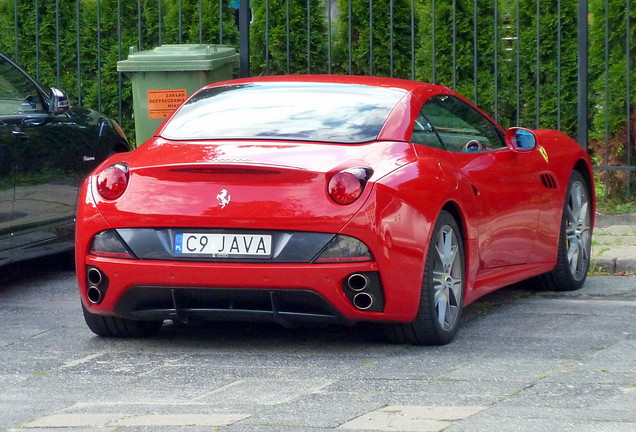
317	410
481	424
89	420
411	418
561	395
596	413
508	369
150	420
73	420
261	392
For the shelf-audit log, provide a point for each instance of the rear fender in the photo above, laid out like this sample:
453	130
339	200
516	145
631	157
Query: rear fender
92	222
396	224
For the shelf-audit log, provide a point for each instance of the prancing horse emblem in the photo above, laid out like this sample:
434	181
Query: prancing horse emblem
223	198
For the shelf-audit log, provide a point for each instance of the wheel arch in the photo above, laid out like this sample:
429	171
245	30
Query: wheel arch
584	168
453	208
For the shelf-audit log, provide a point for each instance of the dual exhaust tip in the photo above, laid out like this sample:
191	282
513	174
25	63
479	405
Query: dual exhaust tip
363	292
97	284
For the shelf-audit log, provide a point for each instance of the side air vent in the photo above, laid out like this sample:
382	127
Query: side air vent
548	181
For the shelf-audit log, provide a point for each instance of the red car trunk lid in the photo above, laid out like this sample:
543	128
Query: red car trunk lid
244	185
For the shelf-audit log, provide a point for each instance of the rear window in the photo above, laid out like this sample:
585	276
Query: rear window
339	113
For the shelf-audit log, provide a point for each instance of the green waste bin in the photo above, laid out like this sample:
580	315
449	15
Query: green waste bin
165	76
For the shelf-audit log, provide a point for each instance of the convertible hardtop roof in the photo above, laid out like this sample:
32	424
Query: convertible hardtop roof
395	83
342	109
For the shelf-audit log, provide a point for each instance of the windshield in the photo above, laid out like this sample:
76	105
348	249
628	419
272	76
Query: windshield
339	113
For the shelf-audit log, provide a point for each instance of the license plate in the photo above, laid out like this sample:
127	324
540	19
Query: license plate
223	245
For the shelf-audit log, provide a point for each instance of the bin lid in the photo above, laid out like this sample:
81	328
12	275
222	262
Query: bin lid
178	57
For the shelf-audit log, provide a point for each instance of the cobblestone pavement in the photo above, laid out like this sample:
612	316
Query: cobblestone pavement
523	361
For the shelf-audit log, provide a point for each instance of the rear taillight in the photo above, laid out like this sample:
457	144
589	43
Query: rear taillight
343	248
112	182
109	244
346	186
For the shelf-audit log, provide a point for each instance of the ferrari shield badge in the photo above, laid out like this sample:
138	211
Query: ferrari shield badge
223	198
543	153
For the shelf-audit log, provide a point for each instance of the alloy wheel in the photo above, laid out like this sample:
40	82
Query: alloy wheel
577	229
447	278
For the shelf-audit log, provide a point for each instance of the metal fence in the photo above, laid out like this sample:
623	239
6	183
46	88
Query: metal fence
526	62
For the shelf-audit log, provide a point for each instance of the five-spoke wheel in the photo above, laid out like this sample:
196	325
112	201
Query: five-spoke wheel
575	240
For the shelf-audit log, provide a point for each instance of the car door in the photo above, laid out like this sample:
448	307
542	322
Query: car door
505	191
6	189
40	147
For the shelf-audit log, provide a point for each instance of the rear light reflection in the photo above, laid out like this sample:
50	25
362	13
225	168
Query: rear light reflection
112	182
346	186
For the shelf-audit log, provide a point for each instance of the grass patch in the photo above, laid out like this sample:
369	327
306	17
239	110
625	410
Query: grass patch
614	204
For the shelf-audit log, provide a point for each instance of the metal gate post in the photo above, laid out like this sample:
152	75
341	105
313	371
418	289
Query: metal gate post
244	38
582	36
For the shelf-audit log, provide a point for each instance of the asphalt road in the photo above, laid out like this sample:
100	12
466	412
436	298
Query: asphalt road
523	361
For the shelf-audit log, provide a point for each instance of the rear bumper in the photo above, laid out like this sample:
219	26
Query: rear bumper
192	291
393	231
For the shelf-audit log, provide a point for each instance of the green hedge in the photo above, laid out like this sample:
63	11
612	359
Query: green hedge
608	89
545	99
363	38
461	77
275	51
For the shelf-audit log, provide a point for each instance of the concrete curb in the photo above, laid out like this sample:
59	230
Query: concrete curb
614	244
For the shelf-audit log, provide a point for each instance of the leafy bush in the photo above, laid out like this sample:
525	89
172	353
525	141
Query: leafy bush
608	89
280	40
549	95
375	41
455	68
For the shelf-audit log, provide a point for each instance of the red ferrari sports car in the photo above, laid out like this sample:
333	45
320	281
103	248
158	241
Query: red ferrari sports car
329	199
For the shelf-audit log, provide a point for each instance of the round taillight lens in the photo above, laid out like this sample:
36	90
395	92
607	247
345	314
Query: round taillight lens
345	188
112	182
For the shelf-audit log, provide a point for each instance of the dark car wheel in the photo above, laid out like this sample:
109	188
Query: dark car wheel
108	326
575	240
441	302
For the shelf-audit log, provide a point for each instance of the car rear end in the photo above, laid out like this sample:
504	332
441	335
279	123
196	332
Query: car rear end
190	228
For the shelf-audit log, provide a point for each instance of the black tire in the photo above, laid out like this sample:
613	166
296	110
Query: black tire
442	298
575	241
108	326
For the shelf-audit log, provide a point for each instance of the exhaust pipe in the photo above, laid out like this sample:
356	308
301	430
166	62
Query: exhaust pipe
357	282
94	294
363	301
97	285
364	290
94	276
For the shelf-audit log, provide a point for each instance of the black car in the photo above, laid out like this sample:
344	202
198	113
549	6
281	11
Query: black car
46	148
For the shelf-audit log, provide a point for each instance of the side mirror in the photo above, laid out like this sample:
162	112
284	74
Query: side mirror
520	139
59	102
